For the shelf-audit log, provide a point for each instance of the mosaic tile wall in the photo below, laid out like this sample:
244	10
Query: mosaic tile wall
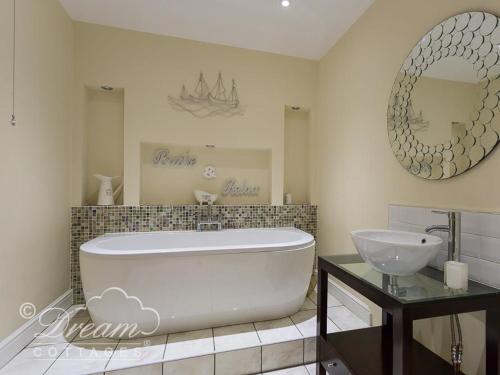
91	221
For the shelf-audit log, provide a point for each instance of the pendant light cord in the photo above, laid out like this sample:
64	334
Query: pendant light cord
13	118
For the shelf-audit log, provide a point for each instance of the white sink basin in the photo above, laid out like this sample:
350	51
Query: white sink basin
396	252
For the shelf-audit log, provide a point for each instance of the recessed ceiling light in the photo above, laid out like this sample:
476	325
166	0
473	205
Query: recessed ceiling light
285	3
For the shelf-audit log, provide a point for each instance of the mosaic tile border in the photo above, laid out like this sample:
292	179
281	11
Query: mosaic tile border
88	222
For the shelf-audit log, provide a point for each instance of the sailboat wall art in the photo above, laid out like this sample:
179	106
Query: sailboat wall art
206	102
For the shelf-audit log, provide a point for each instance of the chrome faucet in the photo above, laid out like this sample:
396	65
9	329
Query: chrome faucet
209	222
454	232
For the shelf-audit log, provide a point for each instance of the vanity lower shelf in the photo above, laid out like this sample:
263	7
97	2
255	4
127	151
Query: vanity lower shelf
369	352
403	300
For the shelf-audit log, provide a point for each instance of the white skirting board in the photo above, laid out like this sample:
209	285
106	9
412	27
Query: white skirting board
357	307
22	336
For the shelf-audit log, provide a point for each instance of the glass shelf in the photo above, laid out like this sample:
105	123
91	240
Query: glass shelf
426	285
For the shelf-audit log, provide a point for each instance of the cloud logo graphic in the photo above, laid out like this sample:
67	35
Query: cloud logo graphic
130	318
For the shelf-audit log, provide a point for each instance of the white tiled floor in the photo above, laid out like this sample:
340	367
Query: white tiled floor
249	348
299	370
279	330
235	337
34	360
137	352
189	344
83	357
344	318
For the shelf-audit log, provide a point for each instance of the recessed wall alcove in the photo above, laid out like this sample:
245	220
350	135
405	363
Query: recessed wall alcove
297	139
170	173
103	140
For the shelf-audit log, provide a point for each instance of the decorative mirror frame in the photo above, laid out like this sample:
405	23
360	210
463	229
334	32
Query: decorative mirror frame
475	36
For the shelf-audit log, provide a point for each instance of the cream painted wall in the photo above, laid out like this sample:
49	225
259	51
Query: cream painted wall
34	157
151	67
356	175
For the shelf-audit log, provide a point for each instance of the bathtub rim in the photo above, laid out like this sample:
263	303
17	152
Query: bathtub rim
91	247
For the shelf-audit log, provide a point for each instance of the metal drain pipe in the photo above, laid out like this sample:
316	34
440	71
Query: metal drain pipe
456	347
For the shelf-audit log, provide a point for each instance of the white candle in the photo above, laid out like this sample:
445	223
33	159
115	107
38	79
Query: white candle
456	275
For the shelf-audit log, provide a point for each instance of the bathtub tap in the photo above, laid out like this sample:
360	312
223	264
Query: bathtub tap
209	223
202	225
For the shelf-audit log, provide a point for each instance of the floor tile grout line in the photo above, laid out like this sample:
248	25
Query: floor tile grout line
162	358
112	354
154	362
165	348
260	342
336	325
79	331
303	353
57	358
261	359
213	341
256	331
298	329
109	359
66	346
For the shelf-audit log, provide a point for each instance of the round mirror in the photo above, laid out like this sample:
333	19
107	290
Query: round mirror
443	115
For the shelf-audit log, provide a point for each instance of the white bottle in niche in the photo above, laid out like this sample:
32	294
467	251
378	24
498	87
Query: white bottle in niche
204	197
106	194
288	198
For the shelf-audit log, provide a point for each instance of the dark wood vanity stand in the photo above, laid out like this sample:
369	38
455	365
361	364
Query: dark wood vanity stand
391	349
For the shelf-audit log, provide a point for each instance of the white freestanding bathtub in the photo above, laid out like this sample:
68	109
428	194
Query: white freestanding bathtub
184	280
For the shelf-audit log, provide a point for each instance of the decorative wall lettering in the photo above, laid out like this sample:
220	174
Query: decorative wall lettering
205	102
235	189
164	158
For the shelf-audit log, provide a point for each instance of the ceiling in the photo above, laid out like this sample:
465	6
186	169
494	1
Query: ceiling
308	28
